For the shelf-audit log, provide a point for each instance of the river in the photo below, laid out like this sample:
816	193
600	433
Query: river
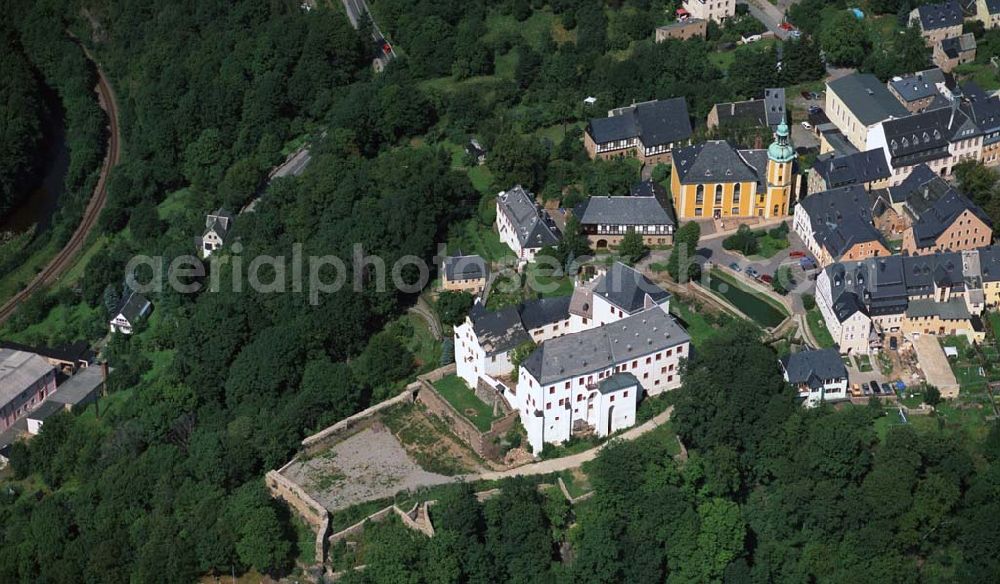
39	207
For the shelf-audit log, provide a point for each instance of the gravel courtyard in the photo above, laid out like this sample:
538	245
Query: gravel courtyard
369	465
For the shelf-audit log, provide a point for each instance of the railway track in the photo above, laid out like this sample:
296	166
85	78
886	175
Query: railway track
64	259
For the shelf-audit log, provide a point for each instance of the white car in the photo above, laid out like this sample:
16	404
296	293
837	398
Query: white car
807	125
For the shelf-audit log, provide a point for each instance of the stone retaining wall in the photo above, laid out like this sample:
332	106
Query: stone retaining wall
482	443
319	438
314	514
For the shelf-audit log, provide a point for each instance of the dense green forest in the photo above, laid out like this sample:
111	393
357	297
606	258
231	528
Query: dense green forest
21	131
217	388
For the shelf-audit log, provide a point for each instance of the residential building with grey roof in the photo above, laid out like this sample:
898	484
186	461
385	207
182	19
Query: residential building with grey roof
819	375
765	111
857	103
523	225
467	273
838	225
938	21
606	220
647	131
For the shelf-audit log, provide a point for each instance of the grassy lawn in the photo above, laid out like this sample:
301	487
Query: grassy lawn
175	205
994	318
462	398
425	348
769	246
541	281
474	238
576	482
73	275
62	318
536	29
818	329
557	132
966	369
864	363
980	72
665	434
161	361
695	324
14	281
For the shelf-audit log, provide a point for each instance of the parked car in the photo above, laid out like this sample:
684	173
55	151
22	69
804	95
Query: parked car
815	109
795	34
807	263
797	254
807	125
874	385
806	95
766	278
786	26
752	272
734	267
886	389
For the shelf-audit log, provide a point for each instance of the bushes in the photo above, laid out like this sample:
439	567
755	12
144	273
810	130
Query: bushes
743	241
808	301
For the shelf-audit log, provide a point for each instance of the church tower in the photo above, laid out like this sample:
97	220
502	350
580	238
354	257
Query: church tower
780	173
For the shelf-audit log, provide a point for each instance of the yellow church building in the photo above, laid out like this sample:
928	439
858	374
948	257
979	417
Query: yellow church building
715	180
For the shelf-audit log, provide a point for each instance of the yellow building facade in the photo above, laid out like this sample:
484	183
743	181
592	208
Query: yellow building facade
715	180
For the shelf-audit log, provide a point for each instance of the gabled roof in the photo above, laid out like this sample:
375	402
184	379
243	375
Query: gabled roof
629	289
623	211
867	98
932	204
989	263
858	168
847	305
925	136
649	188
920	85
841	218
544	311
20	370
983	110
814	367
45	410
79	387
953	47
465	267
924	272
712	162
767	111
602	347
501	330
992	6
935	16
653	122
877	285
531	226
134	306
954	309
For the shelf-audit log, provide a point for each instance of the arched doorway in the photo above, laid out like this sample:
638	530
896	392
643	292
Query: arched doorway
611	414
602	244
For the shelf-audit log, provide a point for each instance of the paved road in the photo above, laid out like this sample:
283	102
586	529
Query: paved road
424	311
294	165
64	259
769	15
573	461
358	8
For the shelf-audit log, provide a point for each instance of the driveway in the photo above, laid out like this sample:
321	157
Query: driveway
935	365
769	15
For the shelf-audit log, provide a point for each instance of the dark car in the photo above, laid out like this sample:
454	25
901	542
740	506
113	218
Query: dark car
806	95
886	389
767	279
874	385
734	267
815	109
752	272
893	344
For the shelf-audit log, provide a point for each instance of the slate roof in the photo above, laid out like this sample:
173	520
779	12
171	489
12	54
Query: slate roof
925	136
501	330
867	98
605	346
992	6
651	188
841	218
711	162
953	47
544	311
653	122
76	352
531	226
935	16
220	222
45	410
498	331
982	109
920	85
989	262
878	286
18	371
932	204
814	367
954	309
859	168
79	387
618	382
628	289
465	267
623	211
922	273
767	111
133	307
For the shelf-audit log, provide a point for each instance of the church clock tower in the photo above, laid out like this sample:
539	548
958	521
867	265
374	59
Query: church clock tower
780	173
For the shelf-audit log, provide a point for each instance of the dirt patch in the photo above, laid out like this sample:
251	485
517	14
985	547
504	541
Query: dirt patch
368	465
428	441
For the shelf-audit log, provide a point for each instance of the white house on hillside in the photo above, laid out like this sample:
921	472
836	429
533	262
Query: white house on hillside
217	228
132	310
818	375
523	226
